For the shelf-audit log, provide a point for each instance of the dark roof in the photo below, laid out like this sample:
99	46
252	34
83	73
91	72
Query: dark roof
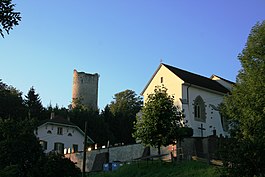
197	80
230	82
58	120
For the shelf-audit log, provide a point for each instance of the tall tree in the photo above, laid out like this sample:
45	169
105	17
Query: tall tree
8	17
11	102
18	145
124	108
160	121
245	108
33	104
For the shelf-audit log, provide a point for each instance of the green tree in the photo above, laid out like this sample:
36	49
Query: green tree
33	104
245	108
8	17
18	145
11	102
160	122
124	108
54	165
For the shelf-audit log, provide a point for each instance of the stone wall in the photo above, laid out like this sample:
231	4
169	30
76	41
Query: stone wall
194	146
121	153
85	89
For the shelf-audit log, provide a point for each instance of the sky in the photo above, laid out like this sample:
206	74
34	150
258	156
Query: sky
123	41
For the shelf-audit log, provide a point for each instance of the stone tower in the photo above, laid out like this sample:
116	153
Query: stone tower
85	89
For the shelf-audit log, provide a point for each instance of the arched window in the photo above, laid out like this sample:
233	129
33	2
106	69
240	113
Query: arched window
225	123
49	132
199	109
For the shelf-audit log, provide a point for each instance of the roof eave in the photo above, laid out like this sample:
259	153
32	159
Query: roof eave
151	79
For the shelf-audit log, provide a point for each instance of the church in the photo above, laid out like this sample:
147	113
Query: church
199	97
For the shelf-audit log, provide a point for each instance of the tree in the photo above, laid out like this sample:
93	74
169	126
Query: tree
33	104
246	112
55	165
11	102
161	120
18	145
124	108
8	17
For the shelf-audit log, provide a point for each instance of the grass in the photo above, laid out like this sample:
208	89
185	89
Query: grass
158	169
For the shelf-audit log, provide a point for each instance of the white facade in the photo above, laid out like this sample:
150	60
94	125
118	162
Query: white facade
60	137
200	104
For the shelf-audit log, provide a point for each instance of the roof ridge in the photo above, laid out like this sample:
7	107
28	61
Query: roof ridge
197	79
187	71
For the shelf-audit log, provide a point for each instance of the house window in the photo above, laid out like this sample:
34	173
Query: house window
75	147
161	79
49	132
199	109
59	147
43	144
69	134
59	130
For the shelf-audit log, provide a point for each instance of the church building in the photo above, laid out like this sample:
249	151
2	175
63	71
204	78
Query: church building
198	96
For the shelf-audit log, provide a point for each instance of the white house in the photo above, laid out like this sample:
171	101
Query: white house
198	96
60	135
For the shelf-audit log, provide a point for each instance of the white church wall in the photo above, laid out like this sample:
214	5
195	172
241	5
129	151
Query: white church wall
166	78
213	118
51	138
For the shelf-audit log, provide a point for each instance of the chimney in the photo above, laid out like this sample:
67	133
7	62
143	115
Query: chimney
52	115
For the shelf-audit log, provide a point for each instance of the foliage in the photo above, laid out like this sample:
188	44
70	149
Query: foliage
96	126
8	17
158	169
10	171
124	108
55	165
18	145
11	102
33	104
245	109
161	121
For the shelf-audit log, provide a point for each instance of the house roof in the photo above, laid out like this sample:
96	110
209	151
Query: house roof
58	120
193	79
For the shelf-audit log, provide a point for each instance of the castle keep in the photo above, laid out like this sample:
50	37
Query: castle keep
85	89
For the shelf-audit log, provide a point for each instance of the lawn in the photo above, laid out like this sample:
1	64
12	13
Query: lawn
158	169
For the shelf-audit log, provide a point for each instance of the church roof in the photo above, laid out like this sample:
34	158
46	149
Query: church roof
194	79
197	80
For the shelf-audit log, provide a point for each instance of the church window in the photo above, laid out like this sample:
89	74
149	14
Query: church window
224	122
161	79
199	109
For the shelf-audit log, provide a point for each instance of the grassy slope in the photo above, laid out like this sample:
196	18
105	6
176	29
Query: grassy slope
158	169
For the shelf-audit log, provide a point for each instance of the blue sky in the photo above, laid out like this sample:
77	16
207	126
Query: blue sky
123	41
